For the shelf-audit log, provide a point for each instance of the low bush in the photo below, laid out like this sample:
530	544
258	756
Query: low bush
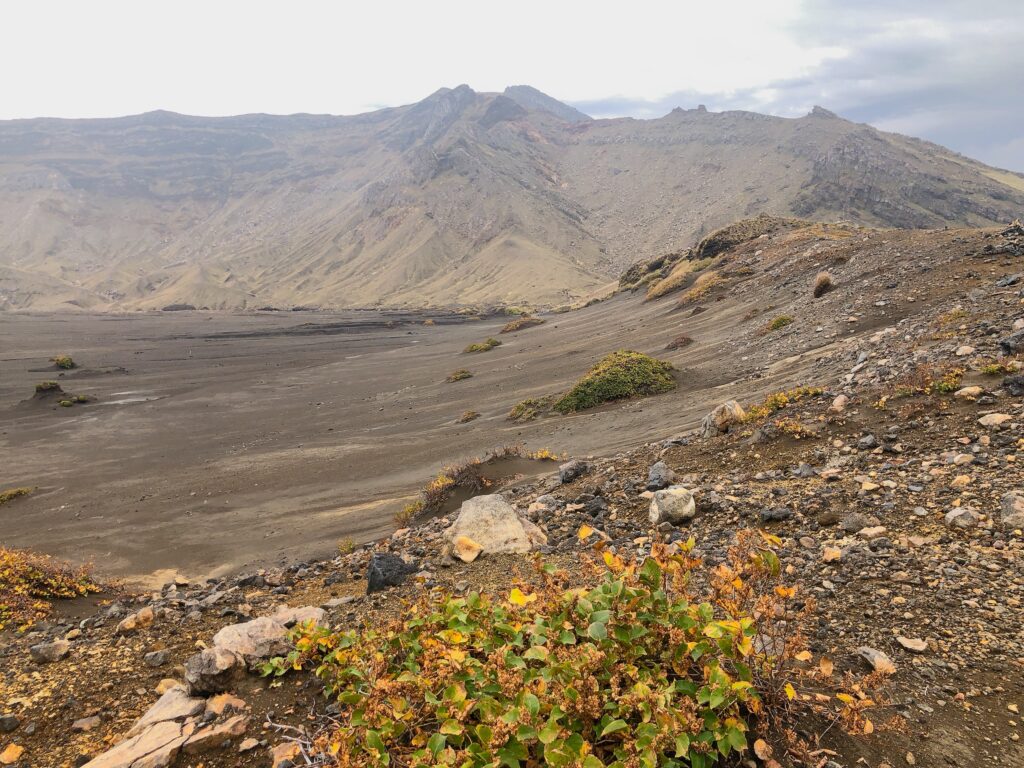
680	341
779	400
459	375
408	513
823	283
617	376
923	379
64	362
641	667
777	323
483	346
531	408
28	582
47	386
468	416
701	287
526	321
13	493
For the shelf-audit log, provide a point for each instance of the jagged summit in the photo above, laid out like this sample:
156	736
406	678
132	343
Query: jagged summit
461	198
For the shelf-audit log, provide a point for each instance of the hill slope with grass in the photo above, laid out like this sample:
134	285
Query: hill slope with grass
462	198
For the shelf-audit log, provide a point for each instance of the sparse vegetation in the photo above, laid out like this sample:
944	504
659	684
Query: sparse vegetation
64	362
429	321
459	375
680	341
682	273
408	513
617	376
779	400
13	493
776	323
923	379
483	346
346	546
28	581
531	408
701	287
525	321
743	231
536	678
47	386
823	283
467	416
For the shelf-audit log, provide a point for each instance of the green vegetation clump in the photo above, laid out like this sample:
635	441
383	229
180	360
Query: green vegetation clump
483	346
64	362
459	375
618	376
779	400
28	581
531	408
47	386
66	403
637	667
778	322
13	493
524	321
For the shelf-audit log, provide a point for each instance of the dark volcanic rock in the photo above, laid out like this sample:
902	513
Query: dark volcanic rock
386	570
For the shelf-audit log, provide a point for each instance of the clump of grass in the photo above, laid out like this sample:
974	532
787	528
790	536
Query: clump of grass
514	310
525	321
617	376
346	546
66	403
680	341
47	386
14	493
535	677
999	366
459	375
779	400
429	321
483	346
923	379
681	274
64	362
408	513
467	416
544	454
531	408
29	581
823	283
701	287
777	323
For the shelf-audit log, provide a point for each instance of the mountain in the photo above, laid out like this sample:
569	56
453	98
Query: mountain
462	198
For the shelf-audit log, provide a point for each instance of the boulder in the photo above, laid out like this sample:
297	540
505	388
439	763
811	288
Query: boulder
47	653
722	418
969	393
290	616
212	670
572	470
254	641
135	621
994	419
386	570
156	747
1011	514
1013	343
495	525
176	704
839	404
659	476
672	505
961	517
1014	384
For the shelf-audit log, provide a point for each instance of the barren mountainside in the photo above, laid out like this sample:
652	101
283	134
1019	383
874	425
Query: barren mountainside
462	198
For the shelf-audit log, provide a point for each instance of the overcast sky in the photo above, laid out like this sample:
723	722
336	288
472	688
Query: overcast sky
947	70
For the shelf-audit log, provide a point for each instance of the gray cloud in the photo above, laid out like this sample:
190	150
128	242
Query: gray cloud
948	71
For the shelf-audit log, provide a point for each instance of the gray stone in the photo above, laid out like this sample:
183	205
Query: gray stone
962	517
9	723
155	658
255	640
290	616
775	514
156	747
1014	384
572	470
659	476
212	670
175	704
386	570
47	653
1012	511
673	505
1013	343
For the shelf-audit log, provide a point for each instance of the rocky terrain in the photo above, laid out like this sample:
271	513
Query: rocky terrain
463	198
888	465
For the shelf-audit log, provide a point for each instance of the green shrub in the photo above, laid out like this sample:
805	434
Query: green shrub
617	376
64	362
778	322
459	375
483	346
13	493
522	322
48	386
639	668
28	581
531	408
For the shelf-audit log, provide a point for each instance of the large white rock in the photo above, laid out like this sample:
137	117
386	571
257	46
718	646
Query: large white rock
722	418
496	526
254	640
1012	512
176	704
674	504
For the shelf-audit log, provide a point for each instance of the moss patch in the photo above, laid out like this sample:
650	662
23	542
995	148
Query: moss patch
617	376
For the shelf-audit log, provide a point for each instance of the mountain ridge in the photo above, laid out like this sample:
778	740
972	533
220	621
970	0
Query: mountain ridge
463	198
